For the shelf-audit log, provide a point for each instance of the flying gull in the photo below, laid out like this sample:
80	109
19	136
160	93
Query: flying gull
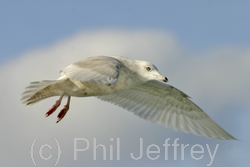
134	85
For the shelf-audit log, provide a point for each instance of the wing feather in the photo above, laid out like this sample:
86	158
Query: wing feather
168	106
101	69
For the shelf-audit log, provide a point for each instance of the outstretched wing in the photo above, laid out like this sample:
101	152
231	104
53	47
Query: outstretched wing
101	69
168	106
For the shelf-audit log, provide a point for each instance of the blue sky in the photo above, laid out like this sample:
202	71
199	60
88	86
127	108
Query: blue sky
197	25
202	47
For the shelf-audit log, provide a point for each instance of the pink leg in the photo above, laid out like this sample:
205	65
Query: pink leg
63	111
54	107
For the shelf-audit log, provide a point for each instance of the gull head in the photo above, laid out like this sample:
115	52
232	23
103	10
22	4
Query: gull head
149	71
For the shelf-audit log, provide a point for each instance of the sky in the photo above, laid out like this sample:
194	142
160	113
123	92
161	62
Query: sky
202	47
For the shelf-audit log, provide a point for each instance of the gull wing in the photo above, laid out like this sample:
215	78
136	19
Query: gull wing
100	69
168	106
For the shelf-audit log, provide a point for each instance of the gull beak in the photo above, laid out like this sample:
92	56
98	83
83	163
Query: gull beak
165	79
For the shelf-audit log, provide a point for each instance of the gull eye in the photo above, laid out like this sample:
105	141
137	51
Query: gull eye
148	68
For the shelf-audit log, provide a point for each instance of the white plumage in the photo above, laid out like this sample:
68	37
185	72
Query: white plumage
131	84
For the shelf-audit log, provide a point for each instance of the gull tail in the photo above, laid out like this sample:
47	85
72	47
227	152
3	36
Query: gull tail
40	90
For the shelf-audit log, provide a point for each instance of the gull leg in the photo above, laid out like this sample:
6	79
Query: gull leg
63	111
55	106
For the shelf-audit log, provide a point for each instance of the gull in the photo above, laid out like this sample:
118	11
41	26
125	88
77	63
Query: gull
134	85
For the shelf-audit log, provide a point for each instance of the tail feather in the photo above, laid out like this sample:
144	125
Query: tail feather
39	90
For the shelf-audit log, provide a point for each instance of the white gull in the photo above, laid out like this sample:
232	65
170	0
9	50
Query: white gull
131	84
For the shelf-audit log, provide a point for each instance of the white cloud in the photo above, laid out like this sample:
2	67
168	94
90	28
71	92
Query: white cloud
214	79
